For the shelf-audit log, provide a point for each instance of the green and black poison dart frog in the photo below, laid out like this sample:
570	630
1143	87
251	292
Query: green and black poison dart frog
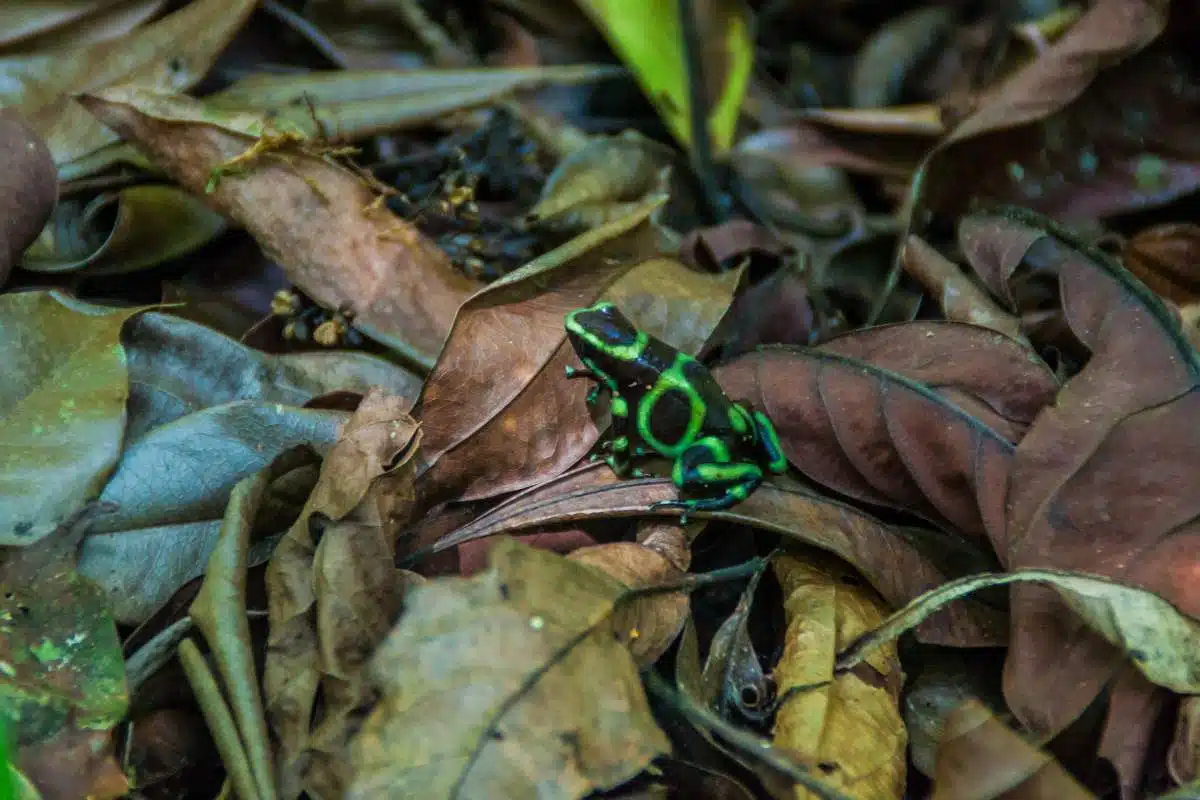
666	402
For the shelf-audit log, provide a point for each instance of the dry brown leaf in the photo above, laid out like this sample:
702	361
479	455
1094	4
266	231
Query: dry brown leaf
358	597
170	55
507	684
980	758
498	430
298	648
317	219
649	624
850	726
1167	259
881	437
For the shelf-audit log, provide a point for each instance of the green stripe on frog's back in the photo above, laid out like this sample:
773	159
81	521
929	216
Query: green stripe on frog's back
672	379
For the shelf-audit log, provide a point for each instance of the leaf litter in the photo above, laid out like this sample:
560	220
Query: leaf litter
295	328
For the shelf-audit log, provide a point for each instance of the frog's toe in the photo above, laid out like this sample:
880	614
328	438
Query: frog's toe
638	472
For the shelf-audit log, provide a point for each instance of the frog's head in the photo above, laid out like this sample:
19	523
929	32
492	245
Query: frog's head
605	339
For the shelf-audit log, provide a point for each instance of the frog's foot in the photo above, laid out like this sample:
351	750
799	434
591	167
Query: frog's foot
620	464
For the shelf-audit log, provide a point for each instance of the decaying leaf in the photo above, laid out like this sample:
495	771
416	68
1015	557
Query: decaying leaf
602	182
64	683
302	651
62	408
319	220
980	758
848	724
507	683
1106	481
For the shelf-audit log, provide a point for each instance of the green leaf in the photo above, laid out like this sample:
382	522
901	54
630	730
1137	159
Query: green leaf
62	408
1161	642
648	37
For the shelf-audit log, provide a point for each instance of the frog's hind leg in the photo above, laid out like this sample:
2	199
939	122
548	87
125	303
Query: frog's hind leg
709	479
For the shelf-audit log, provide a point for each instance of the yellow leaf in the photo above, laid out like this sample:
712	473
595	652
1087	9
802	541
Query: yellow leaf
848	725
648	37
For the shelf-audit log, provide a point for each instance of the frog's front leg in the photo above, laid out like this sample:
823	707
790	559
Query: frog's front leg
618	446
709	480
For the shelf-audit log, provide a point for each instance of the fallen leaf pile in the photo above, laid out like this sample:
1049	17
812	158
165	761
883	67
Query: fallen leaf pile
296	499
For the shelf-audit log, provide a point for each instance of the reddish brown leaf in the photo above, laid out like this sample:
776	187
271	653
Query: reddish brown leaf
990	376
1167	259
497	412
878	436
899	562
960	298
1106	480
1102	121
28	187
1134	708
